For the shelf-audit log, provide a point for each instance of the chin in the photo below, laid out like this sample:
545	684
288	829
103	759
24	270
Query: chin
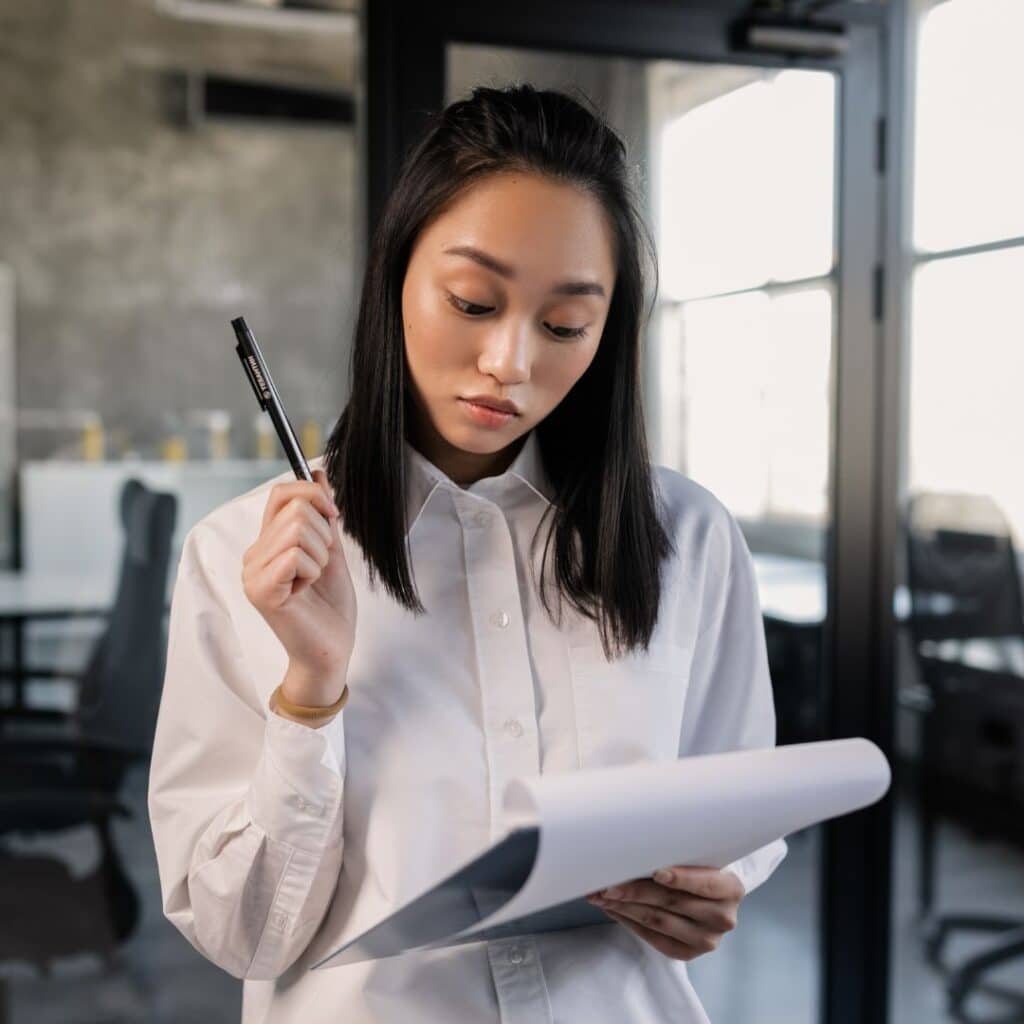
484	442
479	445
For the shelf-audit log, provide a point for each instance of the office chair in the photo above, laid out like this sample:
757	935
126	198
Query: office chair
964	582
57	772
795	666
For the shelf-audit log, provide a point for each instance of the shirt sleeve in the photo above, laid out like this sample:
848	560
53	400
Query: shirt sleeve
245	806
729	703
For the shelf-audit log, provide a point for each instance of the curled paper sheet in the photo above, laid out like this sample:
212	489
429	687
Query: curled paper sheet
571	833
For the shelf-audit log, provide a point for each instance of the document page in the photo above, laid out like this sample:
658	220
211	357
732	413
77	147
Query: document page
570	833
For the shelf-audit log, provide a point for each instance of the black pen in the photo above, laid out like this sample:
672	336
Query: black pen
266	394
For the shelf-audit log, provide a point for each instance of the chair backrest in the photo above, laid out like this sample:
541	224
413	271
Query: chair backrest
120	691
962	570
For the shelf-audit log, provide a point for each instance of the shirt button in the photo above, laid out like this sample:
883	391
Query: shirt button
501	619
482	518
516	955
514	727
305	805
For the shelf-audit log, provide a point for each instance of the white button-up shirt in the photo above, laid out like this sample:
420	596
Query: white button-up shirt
276	842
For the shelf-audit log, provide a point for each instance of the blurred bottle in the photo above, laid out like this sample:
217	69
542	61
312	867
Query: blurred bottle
219	422
265	436
312	439
174	446
174	449
92	439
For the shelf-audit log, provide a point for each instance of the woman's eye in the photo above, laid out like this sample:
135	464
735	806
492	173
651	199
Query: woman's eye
567	332
475	309
472	308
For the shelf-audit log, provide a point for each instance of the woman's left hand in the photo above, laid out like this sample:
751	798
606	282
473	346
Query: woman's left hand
683	917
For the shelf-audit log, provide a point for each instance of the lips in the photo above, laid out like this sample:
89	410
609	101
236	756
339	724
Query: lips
498	404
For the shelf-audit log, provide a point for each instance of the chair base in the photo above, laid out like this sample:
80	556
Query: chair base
967	977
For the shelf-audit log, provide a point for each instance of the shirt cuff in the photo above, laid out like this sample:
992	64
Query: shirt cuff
295	795
736	867
757	867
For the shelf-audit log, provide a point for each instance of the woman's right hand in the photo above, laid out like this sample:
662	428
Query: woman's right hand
296	576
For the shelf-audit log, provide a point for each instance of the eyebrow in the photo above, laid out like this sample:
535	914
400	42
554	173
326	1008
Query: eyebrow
504	270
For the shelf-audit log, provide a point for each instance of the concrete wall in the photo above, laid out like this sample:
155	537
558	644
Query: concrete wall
133	240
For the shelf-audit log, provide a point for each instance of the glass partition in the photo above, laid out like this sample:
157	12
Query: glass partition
958	911
738	172
167	165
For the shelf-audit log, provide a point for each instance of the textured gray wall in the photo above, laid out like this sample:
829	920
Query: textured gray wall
134	241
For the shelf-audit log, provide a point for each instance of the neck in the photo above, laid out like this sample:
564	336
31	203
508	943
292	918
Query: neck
463	467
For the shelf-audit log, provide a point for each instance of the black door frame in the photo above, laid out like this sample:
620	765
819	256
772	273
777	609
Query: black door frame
405	45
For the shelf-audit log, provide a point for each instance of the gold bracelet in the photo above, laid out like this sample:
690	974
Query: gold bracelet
309	714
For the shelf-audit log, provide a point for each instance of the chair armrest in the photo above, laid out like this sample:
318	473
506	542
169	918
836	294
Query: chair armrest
69	745
915	698
43	672
99	803
10	716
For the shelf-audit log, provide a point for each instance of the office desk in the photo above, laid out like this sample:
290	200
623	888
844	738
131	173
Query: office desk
972	738
998	654
793	602
35	596
792	592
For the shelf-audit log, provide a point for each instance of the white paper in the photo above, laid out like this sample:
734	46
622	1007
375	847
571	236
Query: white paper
571	833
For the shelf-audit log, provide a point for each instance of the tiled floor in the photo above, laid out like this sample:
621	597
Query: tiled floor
763	973
157	977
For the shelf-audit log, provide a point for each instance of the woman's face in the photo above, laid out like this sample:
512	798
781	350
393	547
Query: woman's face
505	296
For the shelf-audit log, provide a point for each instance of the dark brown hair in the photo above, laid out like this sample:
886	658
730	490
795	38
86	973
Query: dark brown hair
609	541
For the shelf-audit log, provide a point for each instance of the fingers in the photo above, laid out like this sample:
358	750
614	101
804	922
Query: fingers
719	914
668	944
290	572
709	883
294	543
295	516
709	913
315	492
298	525
706	883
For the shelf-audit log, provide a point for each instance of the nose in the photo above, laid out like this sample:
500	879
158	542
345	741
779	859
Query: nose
507	351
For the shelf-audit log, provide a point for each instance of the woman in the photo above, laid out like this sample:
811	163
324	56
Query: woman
328	748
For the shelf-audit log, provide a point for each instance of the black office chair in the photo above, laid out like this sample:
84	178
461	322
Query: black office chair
61	771
964	582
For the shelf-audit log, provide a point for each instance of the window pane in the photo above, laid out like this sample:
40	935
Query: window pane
966	372
746	186
969	146
754	385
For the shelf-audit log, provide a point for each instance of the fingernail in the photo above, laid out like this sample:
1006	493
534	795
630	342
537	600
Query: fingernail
613	893
661	875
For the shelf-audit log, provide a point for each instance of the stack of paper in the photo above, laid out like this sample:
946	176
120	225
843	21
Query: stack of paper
571	833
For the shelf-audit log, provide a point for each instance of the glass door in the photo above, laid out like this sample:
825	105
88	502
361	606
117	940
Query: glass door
958	907
740	168
767	378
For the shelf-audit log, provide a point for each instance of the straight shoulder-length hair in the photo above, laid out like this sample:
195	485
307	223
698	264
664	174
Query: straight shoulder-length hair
604	524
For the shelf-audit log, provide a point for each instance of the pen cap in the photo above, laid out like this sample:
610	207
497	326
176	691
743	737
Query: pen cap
247	350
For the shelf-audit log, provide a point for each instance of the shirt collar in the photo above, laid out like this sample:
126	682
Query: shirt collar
422	478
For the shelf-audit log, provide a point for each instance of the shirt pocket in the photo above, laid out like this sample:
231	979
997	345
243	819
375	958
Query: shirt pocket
629	709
